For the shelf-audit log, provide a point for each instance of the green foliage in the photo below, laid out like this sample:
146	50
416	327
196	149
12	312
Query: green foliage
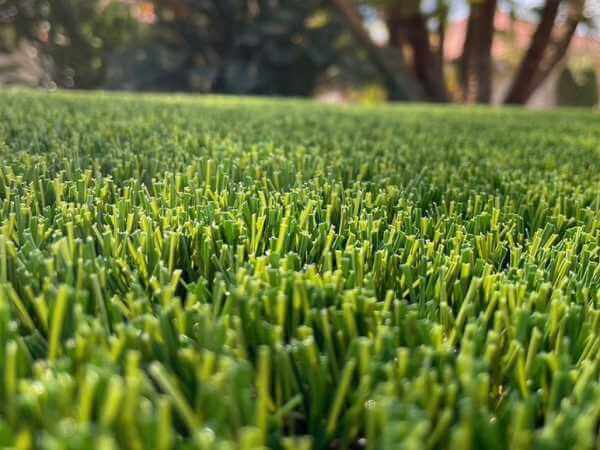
238	46
74	38
237	274
580	90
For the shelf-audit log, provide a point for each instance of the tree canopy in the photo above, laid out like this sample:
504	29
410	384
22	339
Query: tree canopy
280	47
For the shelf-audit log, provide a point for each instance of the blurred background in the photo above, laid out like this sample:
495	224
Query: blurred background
540	53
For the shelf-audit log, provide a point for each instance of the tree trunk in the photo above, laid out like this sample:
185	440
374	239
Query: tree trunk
412	29
558	50
441	31
396	84
554	53
476	62
522	85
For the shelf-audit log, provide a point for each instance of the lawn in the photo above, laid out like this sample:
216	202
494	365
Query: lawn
224	273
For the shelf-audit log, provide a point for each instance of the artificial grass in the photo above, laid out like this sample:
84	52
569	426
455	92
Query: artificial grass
220	273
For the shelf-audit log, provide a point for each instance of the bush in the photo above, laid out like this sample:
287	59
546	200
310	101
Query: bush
579	90
236	47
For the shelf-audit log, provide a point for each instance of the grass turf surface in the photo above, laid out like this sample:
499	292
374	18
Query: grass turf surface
218	273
